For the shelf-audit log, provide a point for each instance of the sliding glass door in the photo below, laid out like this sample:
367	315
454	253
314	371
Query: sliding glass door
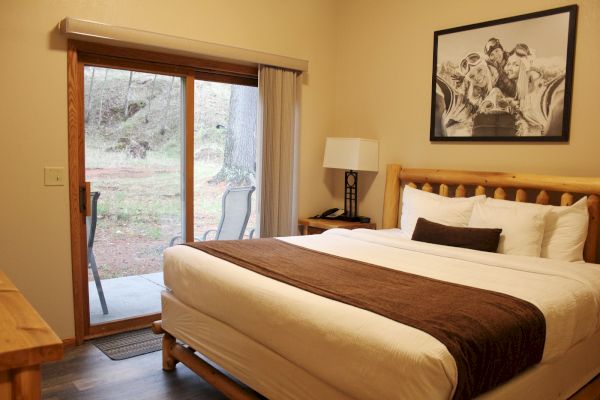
161	151
134	130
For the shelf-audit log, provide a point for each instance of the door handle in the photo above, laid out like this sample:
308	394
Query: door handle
85	200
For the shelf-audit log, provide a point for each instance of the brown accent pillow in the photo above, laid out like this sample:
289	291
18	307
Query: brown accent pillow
482	239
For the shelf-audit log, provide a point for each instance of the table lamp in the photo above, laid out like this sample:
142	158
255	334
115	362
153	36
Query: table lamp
353	155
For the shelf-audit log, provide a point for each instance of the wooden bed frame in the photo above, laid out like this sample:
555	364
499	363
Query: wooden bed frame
464	183
468	183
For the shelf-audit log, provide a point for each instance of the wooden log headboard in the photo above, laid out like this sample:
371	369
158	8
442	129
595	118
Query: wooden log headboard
469	183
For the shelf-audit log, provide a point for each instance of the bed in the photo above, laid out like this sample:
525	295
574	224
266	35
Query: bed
287	343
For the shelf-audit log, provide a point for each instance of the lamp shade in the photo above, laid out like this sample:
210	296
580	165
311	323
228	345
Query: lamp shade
351	154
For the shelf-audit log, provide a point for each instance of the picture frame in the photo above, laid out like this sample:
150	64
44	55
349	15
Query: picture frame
509	79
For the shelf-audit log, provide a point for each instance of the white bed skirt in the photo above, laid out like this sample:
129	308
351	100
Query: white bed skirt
276	377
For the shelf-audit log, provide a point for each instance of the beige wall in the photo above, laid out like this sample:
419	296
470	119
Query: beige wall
34	219
383	91
370	76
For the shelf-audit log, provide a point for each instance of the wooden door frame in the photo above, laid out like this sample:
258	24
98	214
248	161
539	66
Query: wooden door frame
76	180
76	141
187	68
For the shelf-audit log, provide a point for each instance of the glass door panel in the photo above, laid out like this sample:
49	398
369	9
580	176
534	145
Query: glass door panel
133	159
224	158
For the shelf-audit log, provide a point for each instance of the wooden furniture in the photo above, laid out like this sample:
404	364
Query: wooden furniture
174	353
313	226
502	185
460	184
26	341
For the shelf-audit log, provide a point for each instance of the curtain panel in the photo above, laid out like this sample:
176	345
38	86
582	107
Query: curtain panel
278	121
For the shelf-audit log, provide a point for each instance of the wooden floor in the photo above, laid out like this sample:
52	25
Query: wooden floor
86	373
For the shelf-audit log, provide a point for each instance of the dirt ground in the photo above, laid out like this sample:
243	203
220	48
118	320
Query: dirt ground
124	248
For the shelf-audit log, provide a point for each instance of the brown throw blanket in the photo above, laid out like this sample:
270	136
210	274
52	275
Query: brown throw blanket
492	336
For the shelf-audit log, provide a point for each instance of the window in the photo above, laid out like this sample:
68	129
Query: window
161	139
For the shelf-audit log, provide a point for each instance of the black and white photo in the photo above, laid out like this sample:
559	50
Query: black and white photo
508	79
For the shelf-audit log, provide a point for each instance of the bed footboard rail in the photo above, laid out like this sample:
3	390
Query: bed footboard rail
174	352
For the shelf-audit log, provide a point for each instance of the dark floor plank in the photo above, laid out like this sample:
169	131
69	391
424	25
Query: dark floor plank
86	373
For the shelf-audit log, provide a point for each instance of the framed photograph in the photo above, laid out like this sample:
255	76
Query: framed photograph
505	80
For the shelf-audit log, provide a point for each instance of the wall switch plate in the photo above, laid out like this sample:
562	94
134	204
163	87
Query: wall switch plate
54	176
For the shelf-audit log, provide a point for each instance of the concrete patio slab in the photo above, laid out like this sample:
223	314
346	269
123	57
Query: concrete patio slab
157	278
126	297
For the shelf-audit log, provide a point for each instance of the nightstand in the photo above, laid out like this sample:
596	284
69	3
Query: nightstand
314	226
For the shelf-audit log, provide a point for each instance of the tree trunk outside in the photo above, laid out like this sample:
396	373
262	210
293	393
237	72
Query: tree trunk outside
125	111
242	125
102	97
150	99
166	113
239	158
89	97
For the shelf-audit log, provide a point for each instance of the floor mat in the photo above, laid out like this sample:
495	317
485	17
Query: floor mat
129	344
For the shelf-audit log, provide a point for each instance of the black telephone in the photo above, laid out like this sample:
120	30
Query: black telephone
331	213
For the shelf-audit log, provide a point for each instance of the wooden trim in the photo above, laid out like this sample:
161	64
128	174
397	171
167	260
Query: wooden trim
498	181
166	59
121	325
503	179
234	80
69	342
590	250
76	180
391	199
104	61
189	158
591	391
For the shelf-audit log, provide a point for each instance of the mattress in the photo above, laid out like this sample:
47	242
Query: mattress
277	378
344	346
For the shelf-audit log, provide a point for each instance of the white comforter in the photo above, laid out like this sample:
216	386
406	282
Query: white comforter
363	354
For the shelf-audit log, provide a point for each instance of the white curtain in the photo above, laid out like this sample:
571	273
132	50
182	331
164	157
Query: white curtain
278	123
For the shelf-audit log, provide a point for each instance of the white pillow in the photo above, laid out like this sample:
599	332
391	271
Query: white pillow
566	228
443	210
522	227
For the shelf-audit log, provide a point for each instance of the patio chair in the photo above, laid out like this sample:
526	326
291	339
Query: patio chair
235	212
90	224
